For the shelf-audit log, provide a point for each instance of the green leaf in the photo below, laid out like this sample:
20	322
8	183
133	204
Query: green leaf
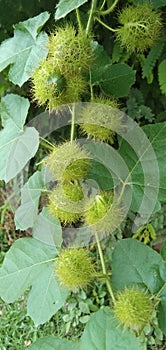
26	260
151	59
102	332
116	79
25	50
46	297
18	144
145	159
163	251
26	214
156	134
30	262
47	229
135	263
65	6
54	343
101	59
155	3
101	175
162	311
162	76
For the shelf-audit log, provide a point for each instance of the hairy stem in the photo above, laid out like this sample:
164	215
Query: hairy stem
91	16
108	284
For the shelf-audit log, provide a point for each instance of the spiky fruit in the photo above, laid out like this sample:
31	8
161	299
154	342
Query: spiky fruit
101	119
51	88
68	162
141	27
60	79
134	308
64	204
104	215
71	52
74	268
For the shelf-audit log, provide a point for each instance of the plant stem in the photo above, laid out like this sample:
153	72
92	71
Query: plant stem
73	122
108	284
46	143
105	25
91	86
90	19
102	5
110	9
79	19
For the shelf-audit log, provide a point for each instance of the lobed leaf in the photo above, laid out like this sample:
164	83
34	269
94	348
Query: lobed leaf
25	50
30	262
18	144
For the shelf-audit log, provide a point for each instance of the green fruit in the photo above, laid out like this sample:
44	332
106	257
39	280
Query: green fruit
101	119
134	308
74	268
105	214
141	27
71	52
63	203
68	162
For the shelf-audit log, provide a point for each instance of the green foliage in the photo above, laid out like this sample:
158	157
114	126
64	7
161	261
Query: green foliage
101	332
33	264
78	192
110	79
151	59
162	76
63	7
25	50
136	108
14	138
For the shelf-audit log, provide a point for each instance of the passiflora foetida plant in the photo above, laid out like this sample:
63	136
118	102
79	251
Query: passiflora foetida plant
98	178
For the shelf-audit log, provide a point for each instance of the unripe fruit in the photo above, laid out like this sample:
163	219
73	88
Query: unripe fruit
70	52
74	268
141	27
64	202
101	119
68	162
134	308
60	79
104	215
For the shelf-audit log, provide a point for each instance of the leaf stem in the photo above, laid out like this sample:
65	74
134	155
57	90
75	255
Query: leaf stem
108	284
73	122
91	15
79	19
110	9
105	25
